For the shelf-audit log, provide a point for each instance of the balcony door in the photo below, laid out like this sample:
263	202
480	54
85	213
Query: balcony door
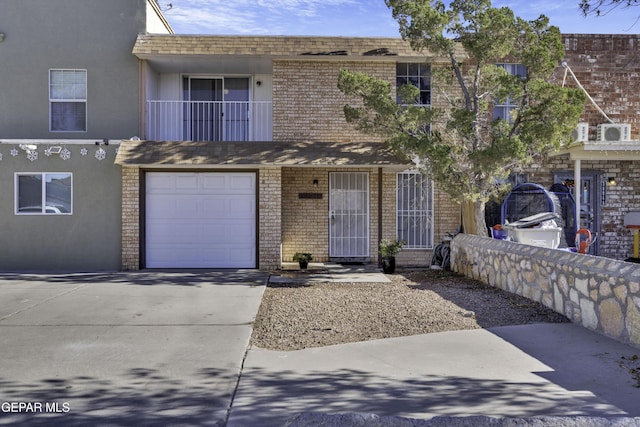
218	109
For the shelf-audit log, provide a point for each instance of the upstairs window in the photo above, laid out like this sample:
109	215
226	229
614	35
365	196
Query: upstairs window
43	193
68	100
502	109
418	75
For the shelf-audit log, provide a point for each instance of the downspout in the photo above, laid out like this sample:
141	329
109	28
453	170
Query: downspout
379	214
142	98
577	186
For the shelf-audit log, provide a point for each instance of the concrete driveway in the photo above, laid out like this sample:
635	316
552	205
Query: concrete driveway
144	348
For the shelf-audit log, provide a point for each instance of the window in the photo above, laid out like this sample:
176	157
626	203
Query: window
502	110
43	193
415	210
68	100
418	75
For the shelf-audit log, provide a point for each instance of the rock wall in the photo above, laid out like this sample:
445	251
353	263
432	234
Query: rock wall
598	293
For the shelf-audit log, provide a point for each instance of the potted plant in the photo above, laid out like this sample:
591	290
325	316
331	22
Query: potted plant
302	258
388	250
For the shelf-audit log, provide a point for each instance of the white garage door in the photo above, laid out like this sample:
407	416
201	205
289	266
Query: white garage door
200	220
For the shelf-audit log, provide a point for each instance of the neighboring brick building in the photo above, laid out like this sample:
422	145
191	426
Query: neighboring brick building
608	67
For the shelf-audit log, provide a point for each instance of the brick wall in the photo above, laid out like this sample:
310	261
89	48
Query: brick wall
615	241
608	66
269	221
130	218
307	104
305	222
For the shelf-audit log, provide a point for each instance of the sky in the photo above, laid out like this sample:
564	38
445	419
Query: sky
365	18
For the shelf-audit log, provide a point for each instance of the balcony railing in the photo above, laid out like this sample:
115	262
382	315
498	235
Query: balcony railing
209	120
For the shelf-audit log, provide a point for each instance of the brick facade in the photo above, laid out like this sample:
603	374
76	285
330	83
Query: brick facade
307	104
269	218
608	67
130	218
305	222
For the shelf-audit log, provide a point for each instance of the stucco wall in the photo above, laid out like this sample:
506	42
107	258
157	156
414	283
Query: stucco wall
87	240
95	35
598	293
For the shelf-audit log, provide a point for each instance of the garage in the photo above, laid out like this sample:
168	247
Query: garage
200	220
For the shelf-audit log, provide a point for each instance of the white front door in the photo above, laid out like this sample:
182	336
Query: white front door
200	220
348	214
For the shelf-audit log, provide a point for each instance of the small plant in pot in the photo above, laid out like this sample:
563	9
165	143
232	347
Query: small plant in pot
302	258
388	250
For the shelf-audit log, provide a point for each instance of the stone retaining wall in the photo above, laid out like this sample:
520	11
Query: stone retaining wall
598	293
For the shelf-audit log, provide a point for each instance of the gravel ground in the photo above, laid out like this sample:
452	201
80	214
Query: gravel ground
294	316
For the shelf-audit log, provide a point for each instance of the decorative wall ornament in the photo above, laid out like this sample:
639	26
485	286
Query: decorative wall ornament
101	154
83	151
53	149
65	154
0	156
32	155
14	152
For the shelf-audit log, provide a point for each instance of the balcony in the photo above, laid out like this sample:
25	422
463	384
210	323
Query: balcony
209	120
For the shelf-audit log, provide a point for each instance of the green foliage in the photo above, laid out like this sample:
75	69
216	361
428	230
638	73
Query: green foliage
390	248
461	146
302	257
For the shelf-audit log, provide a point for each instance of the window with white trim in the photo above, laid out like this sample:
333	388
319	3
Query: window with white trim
68	100
43	193
414	211
502	109
418	75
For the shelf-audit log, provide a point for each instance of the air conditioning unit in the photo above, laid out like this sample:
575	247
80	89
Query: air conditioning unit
614	132
580	133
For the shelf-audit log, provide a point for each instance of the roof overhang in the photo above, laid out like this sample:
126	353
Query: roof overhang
602	150
190	154
233	54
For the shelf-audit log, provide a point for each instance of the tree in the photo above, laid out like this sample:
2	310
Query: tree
602	7
460	145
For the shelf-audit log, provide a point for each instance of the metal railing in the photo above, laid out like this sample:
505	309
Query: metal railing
209	120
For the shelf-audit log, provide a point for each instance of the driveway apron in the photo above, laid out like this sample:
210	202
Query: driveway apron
143	348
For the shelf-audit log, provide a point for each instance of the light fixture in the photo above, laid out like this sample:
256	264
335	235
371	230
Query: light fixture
56	149
258	83
611	181
315	183
28	147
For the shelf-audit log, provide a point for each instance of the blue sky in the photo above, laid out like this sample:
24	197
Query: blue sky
366	18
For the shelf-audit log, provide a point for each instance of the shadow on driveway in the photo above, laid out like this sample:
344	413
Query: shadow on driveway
138	397
244	277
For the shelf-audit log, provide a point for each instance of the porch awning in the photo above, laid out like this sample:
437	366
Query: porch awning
602	150
157	154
